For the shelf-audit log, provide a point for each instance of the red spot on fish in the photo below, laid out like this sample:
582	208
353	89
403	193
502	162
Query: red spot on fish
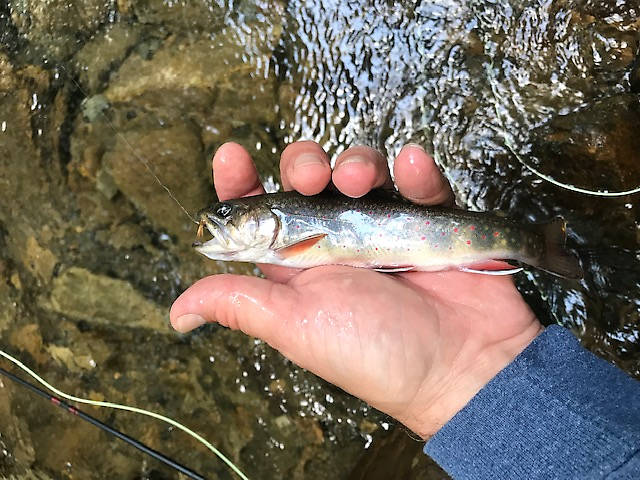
376	248
427	223
495	234
472	228
370	212
297	226
468	242
435	246
423	238
388	215
455	229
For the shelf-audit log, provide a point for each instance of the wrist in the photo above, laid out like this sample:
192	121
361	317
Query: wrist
472	369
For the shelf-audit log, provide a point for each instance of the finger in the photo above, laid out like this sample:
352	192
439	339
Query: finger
234	174
305	167
256	306
419	179
359	169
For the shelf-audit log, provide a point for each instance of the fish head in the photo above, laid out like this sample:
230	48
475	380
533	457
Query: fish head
241	231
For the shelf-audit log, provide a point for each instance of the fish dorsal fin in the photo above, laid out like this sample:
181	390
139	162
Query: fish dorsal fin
394	269
299	246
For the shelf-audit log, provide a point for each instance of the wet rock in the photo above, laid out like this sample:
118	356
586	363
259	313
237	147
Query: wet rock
103	53
8	306
16	438
634	76
47	24
94	107
191	16
125	236
106	184
216	67
597	148
71	360
83	295
175	155
29	339
6	74
38	260
15	281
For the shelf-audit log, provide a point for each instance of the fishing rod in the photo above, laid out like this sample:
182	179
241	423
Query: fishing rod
103	426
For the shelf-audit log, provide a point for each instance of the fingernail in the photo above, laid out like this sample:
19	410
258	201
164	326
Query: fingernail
415	145
307	159
188	322
353	159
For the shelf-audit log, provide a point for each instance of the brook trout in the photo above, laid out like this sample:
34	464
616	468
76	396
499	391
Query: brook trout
380	231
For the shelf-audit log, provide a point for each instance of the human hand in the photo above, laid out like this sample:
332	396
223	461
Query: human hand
417	346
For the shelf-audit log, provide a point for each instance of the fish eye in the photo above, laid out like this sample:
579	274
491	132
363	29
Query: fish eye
223	210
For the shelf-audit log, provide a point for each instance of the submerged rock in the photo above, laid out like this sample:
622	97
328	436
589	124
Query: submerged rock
175	155
47	24
597	148
83	295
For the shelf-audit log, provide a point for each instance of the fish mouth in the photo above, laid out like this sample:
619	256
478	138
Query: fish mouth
219	243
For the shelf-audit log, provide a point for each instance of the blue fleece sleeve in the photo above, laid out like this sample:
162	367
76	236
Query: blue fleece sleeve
557	411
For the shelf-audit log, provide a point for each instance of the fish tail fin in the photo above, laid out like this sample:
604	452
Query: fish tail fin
557	260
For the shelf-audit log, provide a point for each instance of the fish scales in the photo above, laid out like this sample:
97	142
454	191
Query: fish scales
380	234
380	230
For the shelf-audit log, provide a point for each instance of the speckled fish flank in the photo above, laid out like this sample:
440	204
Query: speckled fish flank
379	231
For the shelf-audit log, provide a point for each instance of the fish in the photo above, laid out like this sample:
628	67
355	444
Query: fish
380	231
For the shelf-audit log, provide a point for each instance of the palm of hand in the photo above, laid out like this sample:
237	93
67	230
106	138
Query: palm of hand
416	345
397	341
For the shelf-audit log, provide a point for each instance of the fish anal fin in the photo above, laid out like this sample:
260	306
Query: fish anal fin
399	269
509	271
299	247
491	267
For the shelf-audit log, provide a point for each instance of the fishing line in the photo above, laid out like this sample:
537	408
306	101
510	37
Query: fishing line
128	408
134	153
103	426
511	148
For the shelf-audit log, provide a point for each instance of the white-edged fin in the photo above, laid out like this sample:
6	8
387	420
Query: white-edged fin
394	269
508	271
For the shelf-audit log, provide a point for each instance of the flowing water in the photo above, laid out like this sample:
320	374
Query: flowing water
93	251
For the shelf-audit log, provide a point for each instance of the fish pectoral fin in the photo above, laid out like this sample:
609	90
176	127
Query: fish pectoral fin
299	247
394	269
492	267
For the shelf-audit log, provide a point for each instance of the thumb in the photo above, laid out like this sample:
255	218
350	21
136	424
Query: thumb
258	307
